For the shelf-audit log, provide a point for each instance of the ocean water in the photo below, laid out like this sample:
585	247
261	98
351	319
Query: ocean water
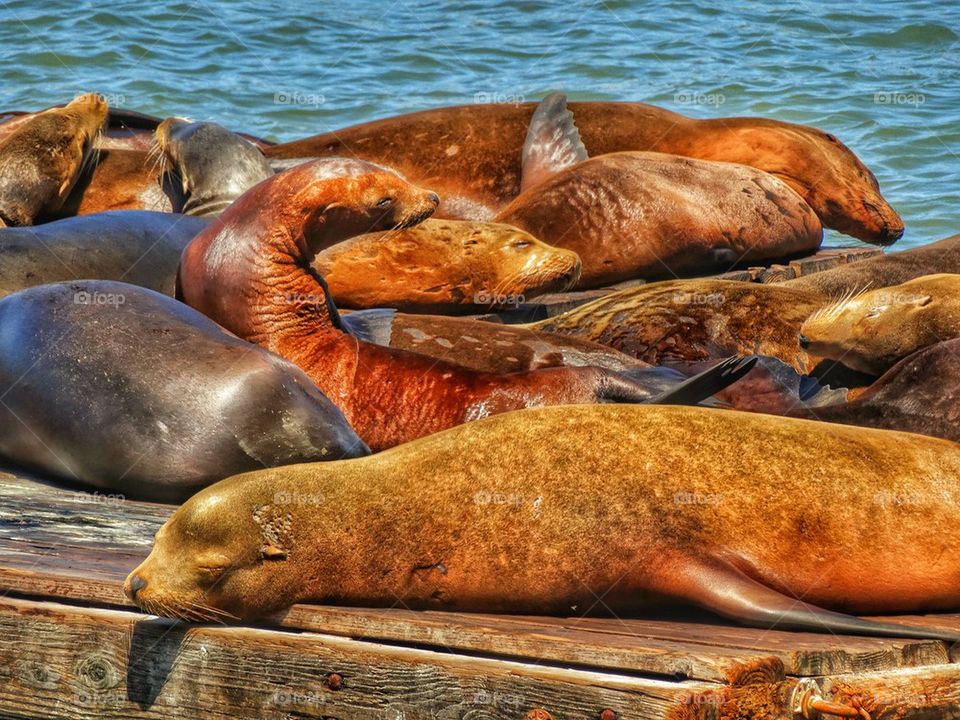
883	76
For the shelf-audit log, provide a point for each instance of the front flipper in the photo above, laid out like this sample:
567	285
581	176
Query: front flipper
552	144
708	383
725	590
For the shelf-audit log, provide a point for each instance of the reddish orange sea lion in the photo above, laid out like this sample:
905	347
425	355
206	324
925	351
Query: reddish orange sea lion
250	272
471	155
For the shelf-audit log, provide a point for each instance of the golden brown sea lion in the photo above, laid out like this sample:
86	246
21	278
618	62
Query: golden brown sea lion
689	321
872	331
123	180
41	160
639	214
445	266
632	504
471	155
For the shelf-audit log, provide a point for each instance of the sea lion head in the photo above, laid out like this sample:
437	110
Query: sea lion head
89	114
839	187
354	197
220	558
509	263
215	165
41	160
871	331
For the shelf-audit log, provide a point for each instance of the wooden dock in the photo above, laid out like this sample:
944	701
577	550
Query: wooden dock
72	647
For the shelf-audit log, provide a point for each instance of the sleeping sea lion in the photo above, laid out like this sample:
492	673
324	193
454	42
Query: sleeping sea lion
637	505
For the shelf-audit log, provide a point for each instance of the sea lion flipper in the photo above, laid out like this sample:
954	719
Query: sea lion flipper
553	141
725	590
374	325
711	381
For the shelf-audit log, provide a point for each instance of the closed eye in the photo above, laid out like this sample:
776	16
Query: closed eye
385	202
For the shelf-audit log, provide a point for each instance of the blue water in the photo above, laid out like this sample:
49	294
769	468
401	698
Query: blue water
882	76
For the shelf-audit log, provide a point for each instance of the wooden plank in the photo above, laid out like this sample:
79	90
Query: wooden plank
59	662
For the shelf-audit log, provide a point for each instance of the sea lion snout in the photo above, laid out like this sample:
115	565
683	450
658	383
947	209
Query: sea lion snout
804	341
133	585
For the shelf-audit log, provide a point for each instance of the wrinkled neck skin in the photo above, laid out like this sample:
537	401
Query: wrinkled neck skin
250	272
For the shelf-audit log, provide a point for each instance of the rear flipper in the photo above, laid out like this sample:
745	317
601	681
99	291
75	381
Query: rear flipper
728	592
702	386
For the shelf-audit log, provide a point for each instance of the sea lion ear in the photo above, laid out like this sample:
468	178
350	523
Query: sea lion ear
273	552
920	300
553	142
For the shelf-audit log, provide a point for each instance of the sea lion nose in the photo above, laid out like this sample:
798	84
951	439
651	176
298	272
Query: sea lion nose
434	198
136	584
804	342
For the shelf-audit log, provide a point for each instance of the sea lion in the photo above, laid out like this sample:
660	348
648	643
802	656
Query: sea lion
471	155
216	166
872	331
137	247
122	388
919	394
636	505
445	266
41	160
689	321
250	271
889	269
640	214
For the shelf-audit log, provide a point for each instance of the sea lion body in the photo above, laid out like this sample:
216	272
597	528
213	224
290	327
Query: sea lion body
136	247
636	214
249	271
42	158
544	511
874	330
892	268
151	399
690	321
122	180
471	155
444	266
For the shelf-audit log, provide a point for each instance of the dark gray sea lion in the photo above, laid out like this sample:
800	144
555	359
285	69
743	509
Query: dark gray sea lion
920	394
216	166
134	246
893	268
121	388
